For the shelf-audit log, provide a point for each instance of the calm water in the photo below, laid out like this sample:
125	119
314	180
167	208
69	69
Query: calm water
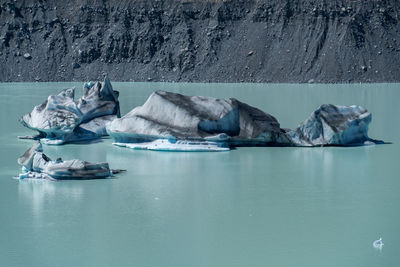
247	207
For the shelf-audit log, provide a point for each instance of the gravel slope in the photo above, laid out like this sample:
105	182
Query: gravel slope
200	41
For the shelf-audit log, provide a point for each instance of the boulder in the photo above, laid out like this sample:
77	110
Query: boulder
61	118
27	56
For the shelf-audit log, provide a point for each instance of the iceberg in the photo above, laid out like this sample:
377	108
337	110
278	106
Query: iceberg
175	122
62	119
332	125
195	121
36	165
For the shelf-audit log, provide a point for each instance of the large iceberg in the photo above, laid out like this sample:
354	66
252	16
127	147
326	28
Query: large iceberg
210	122
169	121
61	118
35	164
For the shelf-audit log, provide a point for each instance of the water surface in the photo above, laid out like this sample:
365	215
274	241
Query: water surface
247	207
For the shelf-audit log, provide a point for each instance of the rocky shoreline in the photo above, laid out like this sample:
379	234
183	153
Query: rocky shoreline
200	41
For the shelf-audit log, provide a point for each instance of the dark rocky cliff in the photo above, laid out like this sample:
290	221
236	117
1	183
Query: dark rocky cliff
221	41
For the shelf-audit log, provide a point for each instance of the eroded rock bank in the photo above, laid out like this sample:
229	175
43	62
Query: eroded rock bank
169	121
62	119
201	40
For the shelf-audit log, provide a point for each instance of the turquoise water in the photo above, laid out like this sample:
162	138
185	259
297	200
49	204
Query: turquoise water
247	207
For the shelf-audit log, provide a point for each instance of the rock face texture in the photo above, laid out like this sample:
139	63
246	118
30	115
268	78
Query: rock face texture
36	164
62	119
201	40
230	123
334	125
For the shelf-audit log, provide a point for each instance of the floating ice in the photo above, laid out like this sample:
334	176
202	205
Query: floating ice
378	243
62	119
231	123
173	116
36	165
334	125
177	146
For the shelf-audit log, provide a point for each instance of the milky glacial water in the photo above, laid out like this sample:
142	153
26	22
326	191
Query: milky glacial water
247	207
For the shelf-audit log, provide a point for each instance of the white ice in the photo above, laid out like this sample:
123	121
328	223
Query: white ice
378	243
178	146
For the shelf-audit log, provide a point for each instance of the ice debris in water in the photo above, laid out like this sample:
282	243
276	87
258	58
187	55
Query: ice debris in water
36	165
62	119
378	243
177	146
334	125
231	123
174	122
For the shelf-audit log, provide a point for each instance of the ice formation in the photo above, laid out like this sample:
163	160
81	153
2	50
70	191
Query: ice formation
174	122
61	118
378	243
35	164
334	125
173	145
195	120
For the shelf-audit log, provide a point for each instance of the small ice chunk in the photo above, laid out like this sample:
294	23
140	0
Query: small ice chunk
178	146
88	85
35	164
378	243
48	141
24	175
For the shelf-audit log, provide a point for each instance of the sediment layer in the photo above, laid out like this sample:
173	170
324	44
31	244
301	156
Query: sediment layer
200	41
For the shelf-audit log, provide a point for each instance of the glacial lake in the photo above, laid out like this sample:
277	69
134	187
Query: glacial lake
265	206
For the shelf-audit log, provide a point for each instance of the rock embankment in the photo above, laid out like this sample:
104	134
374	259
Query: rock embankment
201	41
